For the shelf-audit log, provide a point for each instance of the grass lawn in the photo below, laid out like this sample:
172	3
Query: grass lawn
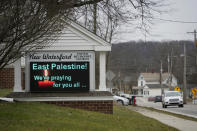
35	116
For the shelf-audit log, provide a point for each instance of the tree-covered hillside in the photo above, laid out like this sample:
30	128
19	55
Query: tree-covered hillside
136	57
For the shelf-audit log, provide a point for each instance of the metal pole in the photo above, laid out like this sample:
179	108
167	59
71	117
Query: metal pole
120	81
195	42
161	79
168	64
184	78
171	61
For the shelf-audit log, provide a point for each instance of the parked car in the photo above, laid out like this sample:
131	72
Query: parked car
129	97
158	99
121	100
172	98
151	98
126	95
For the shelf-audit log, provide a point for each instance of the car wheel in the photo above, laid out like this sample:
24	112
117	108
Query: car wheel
181	105
163	105
120	102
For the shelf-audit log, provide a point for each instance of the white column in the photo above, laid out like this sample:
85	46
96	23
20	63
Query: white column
102	70
17	76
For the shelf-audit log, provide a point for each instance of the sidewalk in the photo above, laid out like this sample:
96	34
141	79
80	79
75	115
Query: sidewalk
180	124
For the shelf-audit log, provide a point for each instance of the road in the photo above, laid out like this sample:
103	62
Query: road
189	109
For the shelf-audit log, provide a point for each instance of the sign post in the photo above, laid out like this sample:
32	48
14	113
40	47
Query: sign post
177	89
194	91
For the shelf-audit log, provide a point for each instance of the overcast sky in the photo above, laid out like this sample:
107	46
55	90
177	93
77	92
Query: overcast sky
179	10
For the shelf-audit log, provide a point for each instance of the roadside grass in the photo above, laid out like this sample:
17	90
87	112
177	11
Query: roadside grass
4	92
31	116
172	114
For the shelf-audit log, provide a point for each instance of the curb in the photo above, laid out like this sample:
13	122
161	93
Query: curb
177	113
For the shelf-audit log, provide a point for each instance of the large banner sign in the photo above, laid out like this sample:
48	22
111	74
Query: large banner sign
60	71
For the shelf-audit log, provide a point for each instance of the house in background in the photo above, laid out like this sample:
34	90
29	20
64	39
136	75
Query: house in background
149	83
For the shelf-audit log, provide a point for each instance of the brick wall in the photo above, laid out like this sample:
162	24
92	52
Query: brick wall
98	106
7	78
7	81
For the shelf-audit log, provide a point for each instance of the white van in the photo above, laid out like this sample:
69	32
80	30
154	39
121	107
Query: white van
171	98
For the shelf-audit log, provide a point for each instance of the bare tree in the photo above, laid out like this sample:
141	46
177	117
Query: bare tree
105	17
26	25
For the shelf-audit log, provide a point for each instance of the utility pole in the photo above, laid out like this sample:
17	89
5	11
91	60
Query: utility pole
120	85
184	78
161	70
195	43
170	70
195	40
168	64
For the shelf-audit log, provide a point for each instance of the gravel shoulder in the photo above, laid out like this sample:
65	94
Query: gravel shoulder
180	124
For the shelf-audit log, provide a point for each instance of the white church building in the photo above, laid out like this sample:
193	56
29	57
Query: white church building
148	84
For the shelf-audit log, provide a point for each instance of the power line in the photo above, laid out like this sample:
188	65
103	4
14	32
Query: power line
178	21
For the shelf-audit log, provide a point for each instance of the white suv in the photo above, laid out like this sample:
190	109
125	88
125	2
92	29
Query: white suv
172	98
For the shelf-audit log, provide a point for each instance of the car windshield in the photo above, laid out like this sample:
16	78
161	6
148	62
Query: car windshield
172	94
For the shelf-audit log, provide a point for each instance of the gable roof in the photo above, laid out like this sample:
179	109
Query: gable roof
155	77
156	86
76	37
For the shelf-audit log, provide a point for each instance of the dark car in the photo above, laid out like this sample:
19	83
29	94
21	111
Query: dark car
151	98
158	99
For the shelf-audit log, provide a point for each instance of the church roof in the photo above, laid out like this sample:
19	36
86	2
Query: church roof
76	37
155	86
155	77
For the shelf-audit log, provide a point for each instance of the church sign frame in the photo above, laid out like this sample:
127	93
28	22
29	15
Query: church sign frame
60	71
